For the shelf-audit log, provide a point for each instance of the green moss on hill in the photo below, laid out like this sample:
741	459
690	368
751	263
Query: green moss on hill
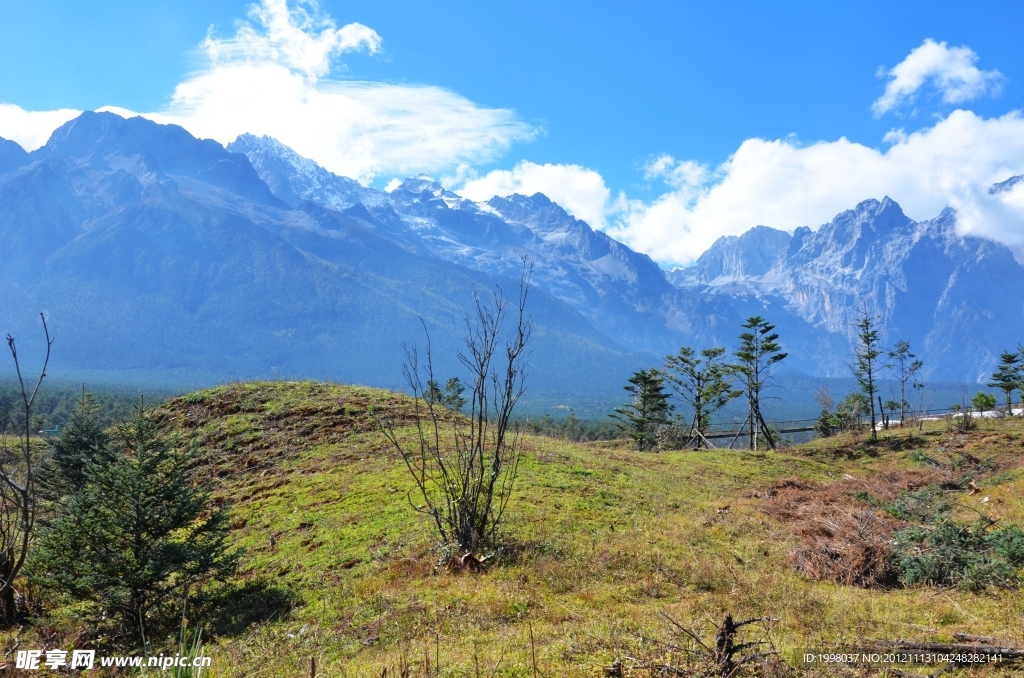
600	541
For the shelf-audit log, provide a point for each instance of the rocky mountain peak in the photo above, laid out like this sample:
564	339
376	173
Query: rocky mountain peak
535	210
90	139
295	179
1006	186
733	257
419	184
12	156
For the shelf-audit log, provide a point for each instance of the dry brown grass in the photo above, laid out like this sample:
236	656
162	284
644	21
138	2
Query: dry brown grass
844	539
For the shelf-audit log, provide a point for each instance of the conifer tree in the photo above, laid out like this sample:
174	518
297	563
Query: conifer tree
1008	377
904	367
82	440
139	534
449	396
759	350
702	382
648	408
865	365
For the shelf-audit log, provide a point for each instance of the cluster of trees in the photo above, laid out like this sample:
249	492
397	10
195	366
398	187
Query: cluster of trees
115	519
871	362
705	383
708	380
571	428
56	401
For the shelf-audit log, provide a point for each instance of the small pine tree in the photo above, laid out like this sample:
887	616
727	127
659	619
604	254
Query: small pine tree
571	427
865	364
82	440
139	534
983	402
1008	377
450	396
648	409
826	424
702	382
849	411
904	367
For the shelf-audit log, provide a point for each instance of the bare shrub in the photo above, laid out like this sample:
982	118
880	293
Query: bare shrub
465	467
19	489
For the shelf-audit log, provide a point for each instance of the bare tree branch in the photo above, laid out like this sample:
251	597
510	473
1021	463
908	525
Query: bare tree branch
464	464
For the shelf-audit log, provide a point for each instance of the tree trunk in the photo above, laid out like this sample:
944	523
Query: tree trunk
8	608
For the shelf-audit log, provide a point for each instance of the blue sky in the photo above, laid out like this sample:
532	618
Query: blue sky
636	110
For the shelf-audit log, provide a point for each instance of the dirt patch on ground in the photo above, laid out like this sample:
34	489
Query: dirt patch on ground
845	536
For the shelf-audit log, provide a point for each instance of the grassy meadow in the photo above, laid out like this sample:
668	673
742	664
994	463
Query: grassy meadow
605	552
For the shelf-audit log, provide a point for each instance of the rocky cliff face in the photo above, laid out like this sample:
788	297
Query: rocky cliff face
295	179
944	293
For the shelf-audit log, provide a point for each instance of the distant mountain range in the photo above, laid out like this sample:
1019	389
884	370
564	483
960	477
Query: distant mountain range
951	297
161	257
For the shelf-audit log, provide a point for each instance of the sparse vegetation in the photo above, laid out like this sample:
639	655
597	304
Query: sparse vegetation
904	368
465	467
605	540
19	486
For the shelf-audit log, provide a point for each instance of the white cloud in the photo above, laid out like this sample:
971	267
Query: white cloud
951	71
300	38
31	129
270	78
784	185
581	191
674	173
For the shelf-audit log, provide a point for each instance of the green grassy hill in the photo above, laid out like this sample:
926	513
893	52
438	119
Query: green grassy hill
603	545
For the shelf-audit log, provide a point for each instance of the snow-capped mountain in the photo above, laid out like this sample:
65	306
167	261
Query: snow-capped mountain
295	179
625	295
812	284
163	255
944	293
159	256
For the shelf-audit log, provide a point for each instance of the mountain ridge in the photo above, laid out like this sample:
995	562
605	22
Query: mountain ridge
254	261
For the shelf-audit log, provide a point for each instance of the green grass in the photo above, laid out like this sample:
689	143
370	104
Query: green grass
600	541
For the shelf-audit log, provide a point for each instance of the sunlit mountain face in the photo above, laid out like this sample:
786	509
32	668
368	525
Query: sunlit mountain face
161	256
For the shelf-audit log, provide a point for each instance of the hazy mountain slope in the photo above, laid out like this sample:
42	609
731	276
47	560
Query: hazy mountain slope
161	256
12	156
810	284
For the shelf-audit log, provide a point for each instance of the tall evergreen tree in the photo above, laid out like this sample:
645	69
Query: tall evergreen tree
702	382
648	408
1009	377
865	361
140	533
759	350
